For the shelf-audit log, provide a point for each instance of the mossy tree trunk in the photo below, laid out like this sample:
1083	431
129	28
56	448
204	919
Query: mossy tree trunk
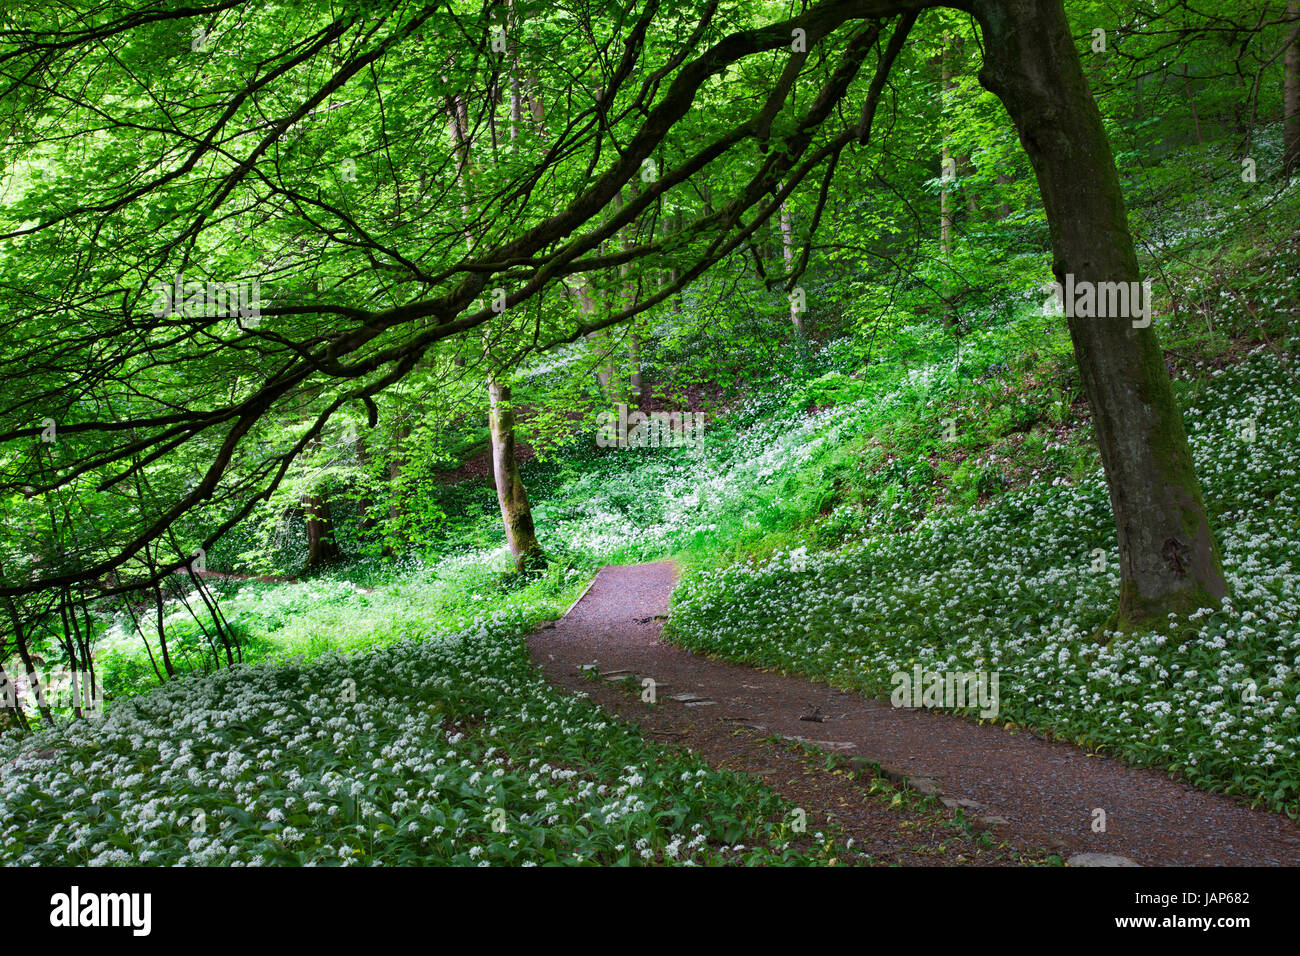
321	548
516	514
1168	556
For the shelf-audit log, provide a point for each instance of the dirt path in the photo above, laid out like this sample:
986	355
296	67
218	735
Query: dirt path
1032	794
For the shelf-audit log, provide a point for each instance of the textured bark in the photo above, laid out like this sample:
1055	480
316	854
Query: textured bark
321	549
947	167
1168	556
516	514
29	665
10	716
787	252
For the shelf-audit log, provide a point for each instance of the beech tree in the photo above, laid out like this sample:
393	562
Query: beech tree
301	150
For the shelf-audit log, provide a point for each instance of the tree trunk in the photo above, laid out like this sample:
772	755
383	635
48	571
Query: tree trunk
605	372
637	385
321	549
1168	556
11	711
29	666
628	237
787	252
160	608
516	514
947	172
1291	93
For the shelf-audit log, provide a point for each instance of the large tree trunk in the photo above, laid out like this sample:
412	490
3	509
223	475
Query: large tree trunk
516	514
321	549
1291	93
1168	557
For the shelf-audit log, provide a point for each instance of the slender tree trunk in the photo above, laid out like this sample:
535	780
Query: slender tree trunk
516	514
1291	93
634	355
29	665
628	239
607	374
675	274
1168	556
947	172
11	711
159	604
69	642
160	608
787	252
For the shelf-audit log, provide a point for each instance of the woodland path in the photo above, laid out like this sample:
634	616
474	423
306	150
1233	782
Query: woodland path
1034	796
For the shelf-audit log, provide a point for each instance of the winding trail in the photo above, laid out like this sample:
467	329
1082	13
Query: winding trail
1036	795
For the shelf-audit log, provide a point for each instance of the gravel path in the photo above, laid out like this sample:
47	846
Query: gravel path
1035	794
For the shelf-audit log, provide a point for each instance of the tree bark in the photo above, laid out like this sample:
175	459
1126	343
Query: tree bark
11	711
29	666
516	514
947	172
787	252
628	238
1168	556
636	388
321	549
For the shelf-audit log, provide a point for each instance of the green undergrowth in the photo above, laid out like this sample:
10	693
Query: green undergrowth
394	734
1018	586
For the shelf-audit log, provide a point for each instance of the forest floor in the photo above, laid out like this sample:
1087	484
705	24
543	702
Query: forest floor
967	792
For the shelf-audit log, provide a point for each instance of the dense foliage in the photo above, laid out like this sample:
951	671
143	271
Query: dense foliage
276	537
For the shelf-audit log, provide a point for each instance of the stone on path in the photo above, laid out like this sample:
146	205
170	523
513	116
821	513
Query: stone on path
923	785
824	744
1099	859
